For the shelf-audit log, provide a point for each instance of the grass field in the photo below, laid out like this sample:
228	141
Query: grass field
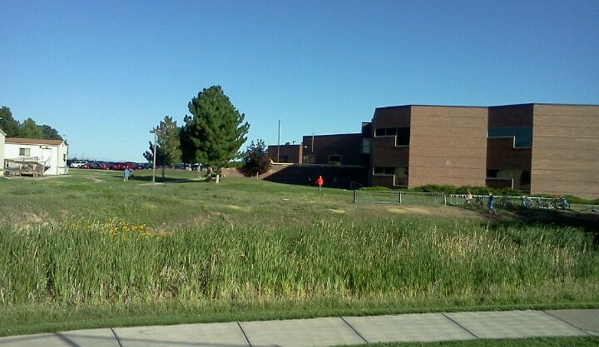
90	250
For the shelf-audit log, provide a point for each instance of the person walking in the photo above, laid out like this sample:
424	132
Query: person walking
126	175
490	204
469	197
319	182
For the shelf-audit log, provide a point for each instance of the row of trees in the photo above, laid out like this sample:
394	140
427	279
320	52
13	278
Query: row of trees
26	129
212	135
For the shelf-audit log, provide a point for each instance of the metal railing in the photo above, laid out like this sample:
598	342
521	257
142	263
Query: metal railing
481	201
399	197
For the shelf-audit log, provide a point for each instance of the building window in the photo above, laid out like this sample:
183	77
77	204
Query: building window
24	152
522	135
365	146
402	134
492	173
334	159
309	159
401	176
525	178
384	170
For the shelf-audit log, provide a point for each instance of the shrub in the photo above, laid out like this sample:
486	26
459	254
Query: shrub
375	188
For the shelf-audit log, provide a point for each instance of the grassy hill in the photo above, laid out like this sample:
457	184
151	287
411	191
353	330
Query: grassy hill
90	250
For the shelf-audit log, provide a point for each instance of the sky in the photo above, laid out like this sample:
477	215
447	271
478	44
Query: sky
106	72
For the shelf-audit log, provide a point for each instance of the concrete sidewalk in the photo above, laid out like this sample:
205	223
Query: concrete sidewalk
427	327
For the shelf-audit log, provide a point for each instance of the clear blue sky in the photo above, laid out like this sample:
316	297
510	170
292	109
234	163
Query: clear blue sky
104	73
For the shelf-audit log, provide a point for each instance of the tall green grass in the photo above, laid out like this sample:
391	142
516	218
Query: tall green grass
99	262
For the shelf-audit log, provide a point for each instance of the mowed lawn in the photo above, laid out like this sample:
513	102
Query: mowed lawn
89	250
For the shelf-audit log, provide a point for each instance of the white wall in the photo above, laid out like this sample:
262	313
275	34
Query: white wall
54	155
2	137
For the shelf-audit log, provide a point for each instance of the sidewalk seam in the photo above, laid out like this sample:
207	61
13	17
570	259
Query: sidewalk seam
563	321
118	340
62	337
354	329
460	325
244	334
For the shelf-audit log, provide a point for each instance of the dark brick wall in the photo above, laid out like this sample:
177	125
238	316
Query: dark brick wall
293	153
511	116
334	176
348	146
395	116
384	152
504	159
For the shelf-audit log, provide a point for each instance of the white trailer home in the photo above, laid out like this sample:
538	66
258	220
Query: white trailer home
48	155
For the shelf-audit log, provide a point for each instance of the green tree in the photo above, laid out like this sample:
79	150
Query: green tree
49	133
30	130
167	144
215	131
8	124
256	160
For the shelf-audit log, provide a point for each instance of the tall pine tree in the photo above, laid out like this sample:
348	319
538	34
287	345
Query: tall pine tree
215	131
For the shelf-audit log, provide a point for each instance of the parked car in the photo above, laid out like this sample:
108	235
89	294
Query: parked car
133	166
117	166
102	166
78	164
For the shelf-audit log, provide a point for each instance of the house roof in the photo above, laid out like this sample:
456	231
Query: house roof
2	132
33	141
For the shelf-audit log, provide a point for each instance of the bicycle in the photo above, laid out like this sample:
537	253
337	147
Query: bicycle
560	203
540	203
505	202
478	201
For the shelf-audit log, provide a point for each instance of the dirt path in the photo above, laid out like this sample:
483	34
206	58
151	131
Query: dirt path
95	179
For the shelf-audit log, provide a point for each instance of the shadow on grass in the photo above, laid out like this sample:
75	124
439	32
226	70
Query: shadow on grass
167	179
588	222
145	179
572	218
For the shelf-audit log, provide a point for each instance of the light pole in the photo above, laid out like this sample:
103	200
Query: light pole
154	158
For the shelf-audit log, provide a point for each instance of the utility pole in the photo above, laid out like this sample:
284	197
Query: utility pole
154	158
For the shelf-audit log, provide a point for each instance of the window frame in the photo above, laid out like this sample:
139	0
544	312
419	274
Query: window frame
24	152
